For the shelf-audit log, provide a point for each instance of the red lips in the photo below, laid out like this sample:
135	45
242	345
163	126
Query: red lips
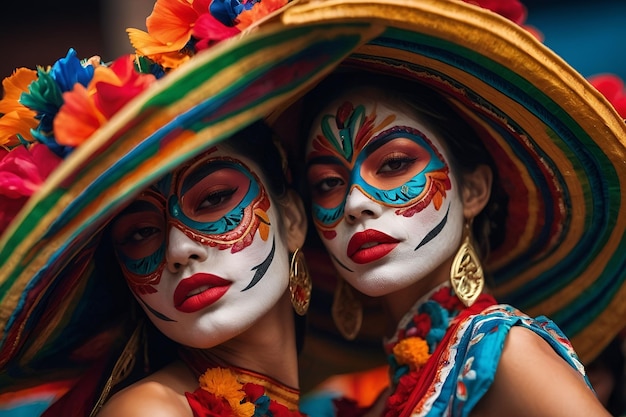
369	246
191	296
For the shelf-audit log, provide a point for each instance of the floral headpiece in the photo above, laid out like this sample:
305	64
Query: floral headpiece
48	112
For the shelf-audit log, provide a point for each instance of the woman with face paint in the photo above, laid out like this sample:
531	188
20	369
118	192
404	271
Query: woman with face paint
407	202
206	253
464	177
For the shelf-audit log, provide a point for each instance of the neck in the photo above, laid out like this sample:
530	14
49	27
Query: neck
397	304
267	348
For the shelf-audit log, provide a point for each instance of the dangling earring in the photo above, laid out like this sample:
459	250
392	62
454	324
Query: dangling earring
299	283
347	310
123	365
466	275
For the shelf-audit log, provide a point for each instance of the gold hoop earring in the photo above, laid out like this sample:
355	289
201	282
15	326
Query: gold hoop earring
466	275
299	283
347	310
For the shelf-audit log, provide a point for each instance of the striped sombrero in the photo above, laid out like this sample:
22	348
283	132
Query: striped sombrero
60	313
559	144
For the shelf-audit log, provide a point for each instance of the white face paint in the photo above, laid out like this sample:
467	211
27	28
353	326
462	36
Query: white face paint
384	201
202	250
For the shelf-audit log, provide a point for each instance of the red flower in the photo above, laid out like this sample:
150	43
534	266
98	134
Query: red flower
253	391
397	401
612	87
209	31
422	325
85	110
279	410
112	96
446	299
205	404
22	172
513	10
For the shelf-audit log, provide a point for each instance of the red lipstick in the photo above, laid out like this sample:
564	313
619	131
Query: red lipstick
199	291
369	246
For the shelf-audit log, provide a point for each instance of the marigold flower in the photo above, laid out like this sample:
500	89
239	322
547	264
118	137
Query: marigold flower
412	351
223	383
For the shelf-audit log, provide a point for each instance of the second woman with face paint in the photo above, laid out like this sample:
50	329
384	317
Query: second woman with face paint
406	200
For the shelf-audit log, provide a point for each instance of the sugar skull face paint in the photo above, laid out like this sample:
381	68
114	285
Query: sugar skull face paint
195	249
382	192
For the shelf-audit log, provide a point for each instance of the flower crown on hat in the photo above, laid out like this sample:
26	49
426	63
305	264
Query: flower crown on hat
48	112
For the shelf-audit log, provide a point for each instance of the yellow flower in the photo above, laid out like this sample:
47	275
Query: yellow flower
412	351
223	383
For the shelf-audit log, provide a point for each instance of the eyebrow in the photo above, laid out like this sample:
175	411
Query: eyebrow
324	160
138	206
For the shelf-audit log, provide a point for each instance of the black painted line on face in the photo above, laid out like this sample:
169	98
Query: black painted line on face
342	265
261	269
435	231
157	314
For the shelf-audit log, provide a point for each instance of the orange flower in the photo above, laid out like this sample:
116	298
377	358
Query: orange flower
77	119
260	10
223	383
412	351
169	29
86	109
17	119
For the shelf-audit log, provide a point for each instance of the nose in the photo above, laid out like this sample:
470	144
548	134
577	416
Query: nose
359	206
181	250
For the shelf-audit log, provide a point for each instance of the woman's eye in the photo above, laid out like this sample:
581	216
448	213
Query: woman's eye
217	198
140	234
396	165
328	184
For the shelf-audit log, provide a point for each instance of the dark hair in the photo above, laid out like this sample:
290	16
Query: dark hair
258	143
467	150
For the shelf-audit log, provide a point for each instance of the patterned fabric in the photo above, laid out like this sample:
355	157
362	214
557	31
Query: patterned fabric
233	392
472	356
461	362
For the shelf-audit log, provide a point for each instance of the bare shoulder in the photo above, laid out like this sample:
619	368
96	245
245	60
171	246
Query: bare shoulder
161	394
533	380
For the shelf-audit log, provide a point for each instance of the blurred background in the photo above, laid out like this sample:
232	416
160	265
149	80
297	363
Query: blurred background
590	35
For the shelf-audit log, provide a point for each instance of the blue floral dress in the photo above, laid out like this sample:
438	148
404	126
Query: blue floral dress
443	357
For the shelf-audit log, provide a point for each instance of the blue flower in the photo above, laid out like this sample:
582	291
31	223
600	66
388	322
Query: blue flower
261	406
69	71
439	318
226	11
45	96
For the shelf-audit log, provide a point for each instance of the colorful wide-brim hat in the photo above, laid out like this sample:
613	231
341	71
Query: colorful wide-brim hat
559	147
61	315
558	143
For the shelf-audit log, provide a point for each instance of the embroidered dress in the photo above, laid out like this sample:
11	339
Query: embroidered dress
234	392
443	357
